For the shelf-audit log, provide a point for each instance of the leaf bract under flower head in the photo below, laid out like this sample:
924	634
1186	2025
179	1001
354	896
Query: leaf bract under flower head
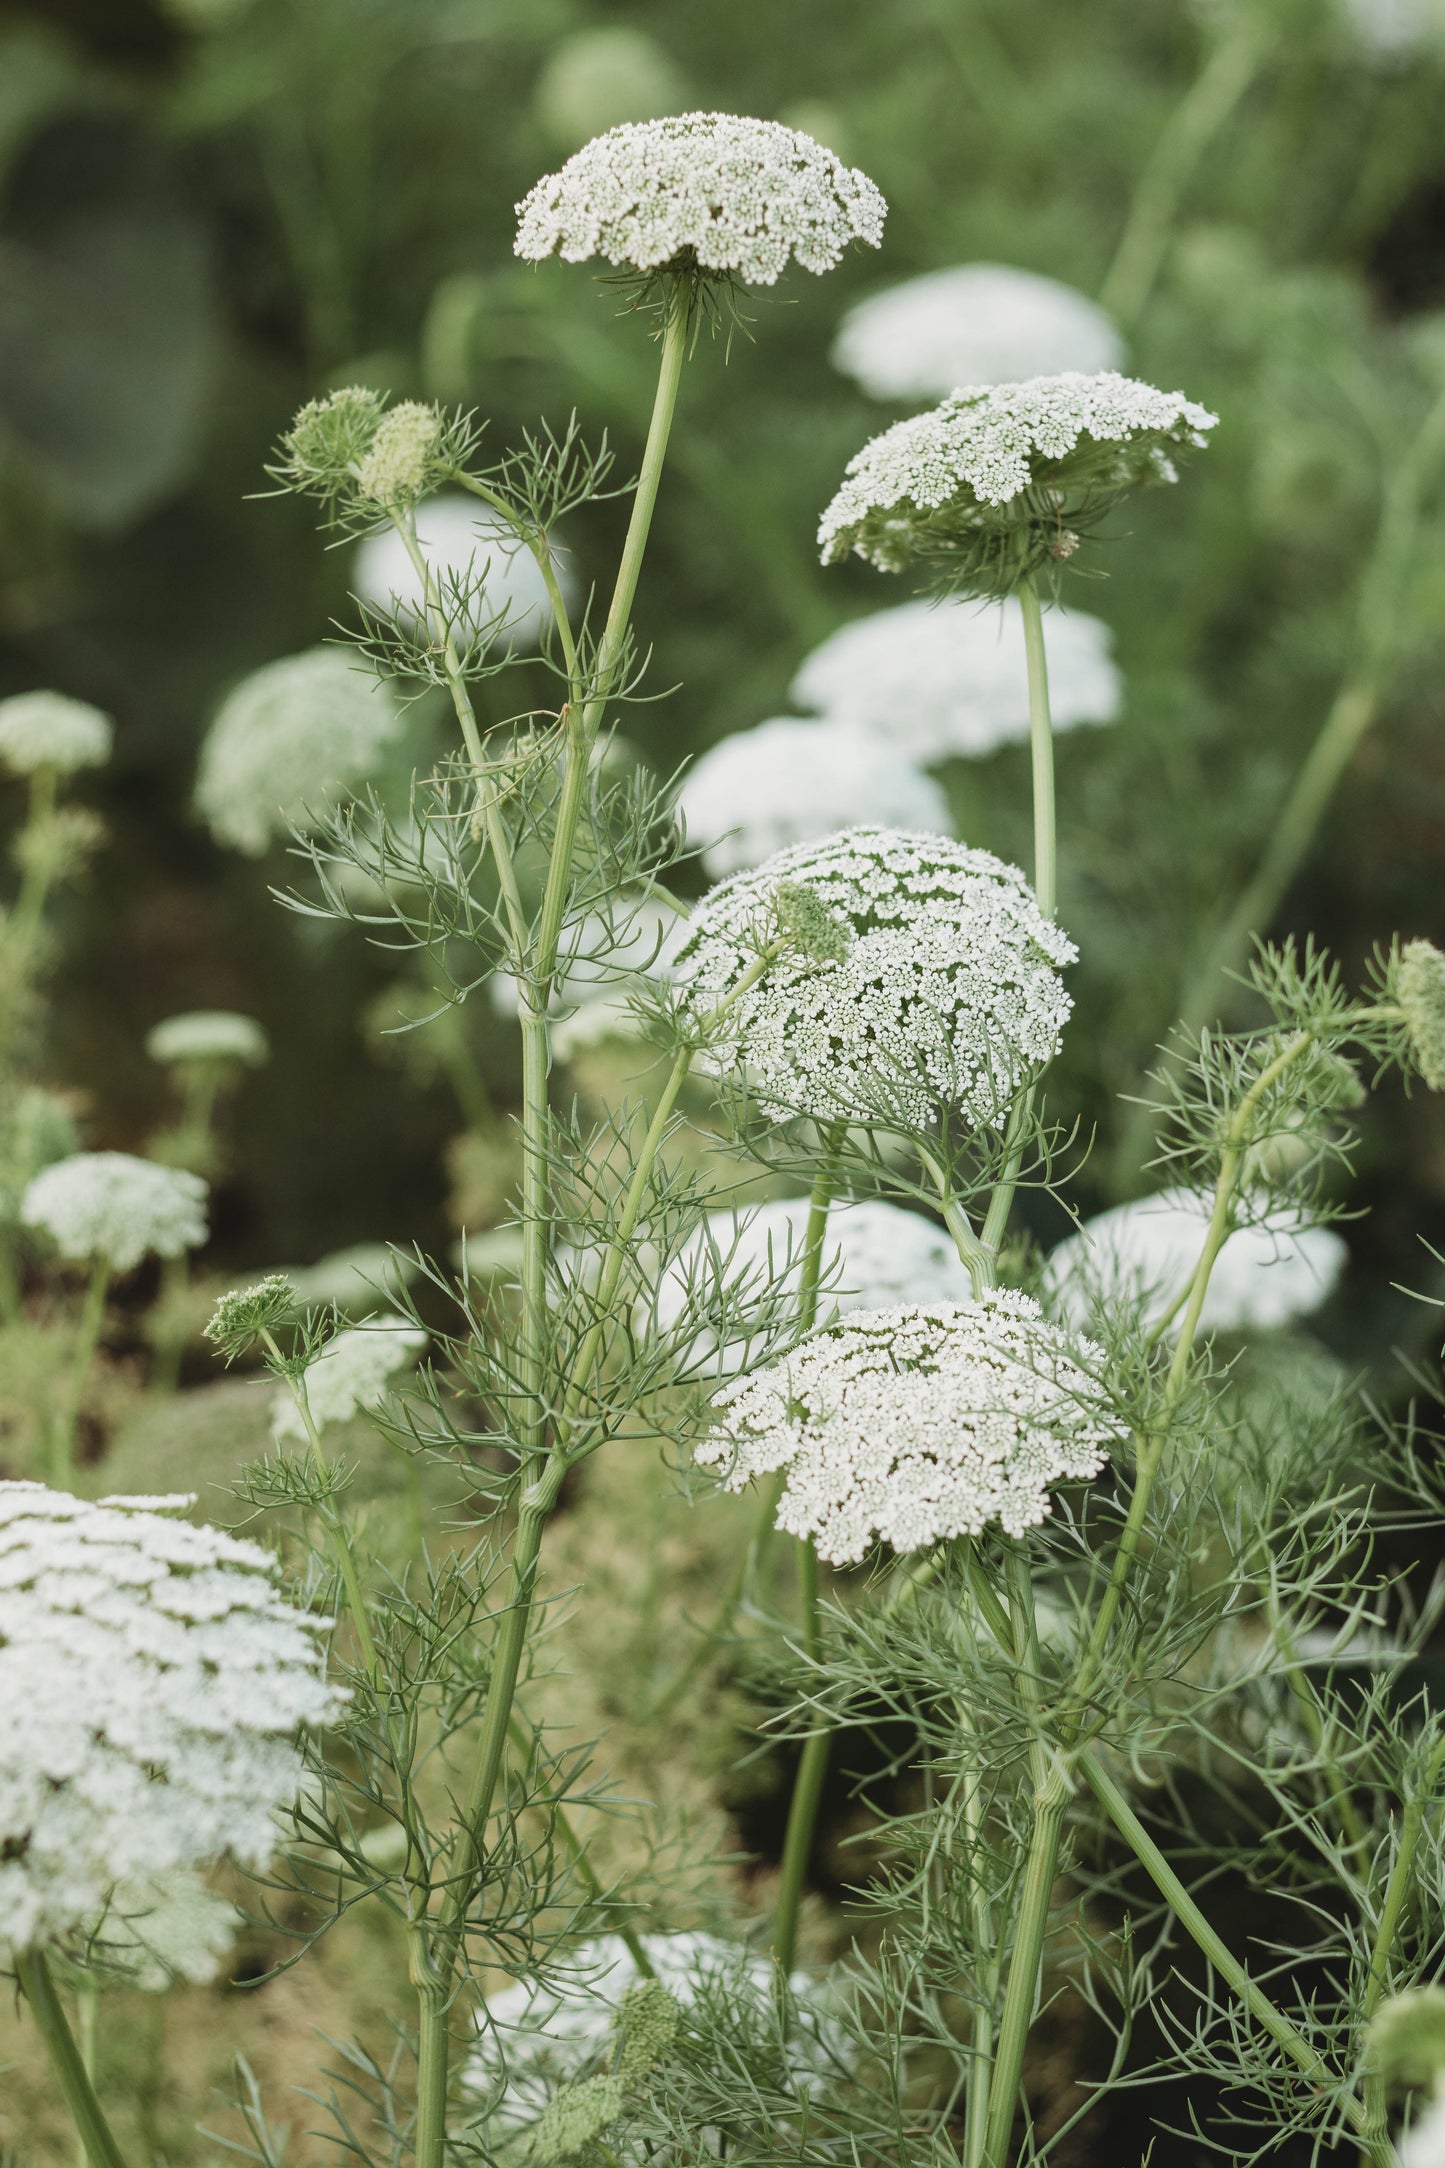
912	1425
702	191
995	483
946	995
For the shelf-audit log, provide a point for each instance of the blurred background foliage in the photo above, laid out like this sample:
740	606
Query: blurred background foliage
212	209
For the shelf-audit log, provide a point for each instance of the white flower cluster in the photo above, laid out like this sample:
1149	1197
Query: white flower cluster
949	680
1393	33
988	446
111	1205
914	1424
288	741
1146	1252
789	781
469	549
49	730
741	195
152	1681
208	1035
352	1372
947	989
976	323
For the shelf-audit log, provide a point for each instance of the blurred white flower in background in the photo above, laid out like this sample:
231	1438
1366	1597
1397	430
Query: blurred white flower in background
1395	32
352	1372
467	547
114	1206
1263	1277
50	730
790	780
597	79
977	323
166	1928
208	1035
288	741
949	680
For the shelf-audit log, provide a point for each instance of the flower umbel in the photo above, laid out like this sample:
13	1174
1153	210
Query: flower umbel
240	1317
208	1035
1420	990
50	730
911	1425
397	465
111	1205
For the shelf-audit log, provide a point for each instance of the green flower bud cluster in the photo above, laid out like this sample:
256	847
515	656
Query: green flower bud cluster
1420	990
578	2115
1407	2034
246	1312
809	924
398	465
645	2027
329	438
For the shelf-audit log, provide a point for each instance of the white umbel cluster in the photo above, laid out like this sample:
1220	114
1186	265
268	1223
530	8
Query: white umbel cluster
946	990
288	741
208	1035
742	196
949	680
987	446
788	781
114	1206
1145	1253
907	1426
50	730
152	1681
974	323
352	1372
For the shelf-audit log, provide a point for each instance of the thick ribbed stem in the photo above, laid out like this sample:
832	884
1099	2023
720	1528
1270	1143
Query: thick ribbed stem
38	1988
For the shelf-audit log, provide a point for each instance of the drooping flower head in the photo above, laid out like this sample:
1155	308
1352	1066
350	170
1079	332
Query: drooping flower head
288	742
788	781
49	730
941	987
975	323
996	483
352	1372
113	1206
708	191
1146	1251
206	1036
911	1425
948	680
152	1681
479	568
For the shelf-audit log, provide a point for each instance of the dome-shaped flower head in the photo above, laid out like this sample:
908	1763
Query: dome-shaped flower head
787	781
288	742
995	483
948	680
152	1681
49	730
352	1372
205	1036
479	567
1146	1252
937	985
112	1206
976	323
708	191
907	1426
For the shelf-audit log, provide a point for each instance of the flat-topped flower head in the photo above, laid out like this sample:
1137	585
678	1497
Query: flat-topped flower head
205	1036
948	680
152	1681
946	992
1145	1252
288	742
479	568
50	730
975	323
996	483
788	781
709	192
112	1206
352	1372
907	1426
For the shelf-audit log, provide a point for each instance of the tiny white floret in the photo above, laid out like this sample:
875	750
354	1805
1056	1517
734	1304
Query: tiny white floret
114	1206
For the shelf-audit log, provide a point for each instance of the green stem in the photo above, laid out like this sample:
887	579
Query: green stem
39	860
87	1338
1191	128
87	2028
38	1988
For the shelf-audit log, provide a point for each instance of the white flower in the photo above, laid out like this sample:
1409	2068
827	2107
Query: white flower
474	559
49	730
206	1035
1073	442
112	1205
152	1681
1423	2144
976	323
742	195
352	1372
157	1930
949	680
946	990
787	781
288	741
1146	1251
910	1425
1395	32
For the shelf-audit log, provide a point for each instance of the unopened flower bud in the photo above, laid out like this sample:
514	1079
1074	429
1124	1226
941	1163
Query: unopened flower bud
321	449
246	1312
394	470
1420	991
578	2114
809	924
646	2024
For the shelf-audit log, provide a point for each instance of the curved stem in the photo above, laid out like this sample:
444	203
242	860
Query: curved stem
87	1338
95	2133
